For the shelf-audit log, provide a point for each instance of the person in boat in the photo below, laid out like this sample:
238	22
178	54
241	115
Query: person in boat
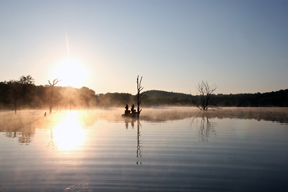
126	109
132	109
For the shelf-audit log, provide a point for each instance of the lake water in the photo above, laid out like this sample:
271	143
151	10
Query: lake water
167	149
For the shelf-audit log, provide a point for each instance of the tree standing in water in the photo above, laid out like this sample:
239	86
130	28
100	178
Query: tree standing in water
205	92
55	81
139	89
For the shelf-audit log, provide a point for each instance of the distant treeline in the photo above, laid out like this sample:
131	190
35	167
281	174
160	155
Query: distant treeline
25	94
270	99
32	96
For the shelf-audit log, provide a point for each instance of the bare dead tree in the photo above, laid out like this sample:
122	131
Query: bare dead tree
139	89
205	92
55	81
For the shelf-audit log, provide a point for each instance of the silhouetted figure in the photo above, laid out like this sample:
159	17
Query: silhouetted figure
45	114
126	109
132	109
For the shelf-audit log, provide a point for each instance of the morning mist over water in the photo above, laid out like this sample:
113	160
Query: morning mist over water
166	149
211	114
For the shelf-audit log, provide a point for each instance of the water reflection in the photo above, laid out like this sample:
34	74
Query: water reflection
205	127
67	127
273	114
139	150
24	137
132	122
51	143
172	154
67	134
17	128
128	120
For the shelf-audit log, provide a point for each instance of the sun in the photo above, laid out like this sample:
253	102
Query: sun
71	72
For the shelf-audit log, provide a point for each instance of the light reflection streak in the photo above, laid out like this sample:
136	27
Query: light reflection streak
68	134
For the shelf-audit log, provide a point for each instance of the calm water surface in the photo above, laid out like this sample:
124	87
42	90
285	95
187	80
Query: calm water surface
101	151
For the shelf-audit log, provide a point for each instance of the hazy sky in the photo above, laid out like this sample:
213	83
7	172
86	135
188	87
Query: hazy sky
242	46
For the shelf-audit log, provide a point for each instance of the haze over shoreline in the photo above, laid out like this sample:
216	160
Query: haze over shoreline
24	94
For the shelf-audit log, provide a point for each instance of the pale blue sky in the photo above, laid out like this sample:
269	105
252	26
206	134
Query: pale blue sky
242	46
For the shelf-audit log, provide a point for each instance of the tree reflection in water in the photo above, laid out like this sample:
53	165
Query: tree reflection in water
205	127
51	143
24	134
138	148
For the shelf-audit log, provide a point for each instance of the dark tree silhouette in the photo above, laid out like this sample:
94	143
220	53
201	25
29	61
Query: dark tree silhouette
26	80
205	92
15	99
139	89
55	81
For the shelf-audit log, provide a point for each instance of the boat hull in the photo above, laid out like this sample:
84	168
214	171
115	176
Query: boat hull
132	115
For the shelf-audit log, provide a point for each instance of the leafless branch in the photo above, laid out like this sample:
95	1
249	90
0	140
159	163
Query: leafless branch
55	81
205	94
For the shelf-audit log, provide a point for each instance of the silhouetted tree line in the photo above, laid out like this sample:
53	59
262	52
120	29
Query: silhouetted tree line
270	99
25	94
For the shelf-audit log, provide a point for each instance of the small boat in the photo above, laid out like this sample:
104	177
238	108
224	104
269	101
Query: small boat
134	114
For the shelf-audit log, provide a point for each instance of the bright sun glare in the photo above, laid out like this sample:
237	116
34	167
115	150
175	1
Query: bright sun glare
68	134
71	72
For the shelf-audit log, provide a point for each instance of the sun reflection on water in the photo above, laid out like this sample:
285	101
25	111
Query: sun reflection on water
68	134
